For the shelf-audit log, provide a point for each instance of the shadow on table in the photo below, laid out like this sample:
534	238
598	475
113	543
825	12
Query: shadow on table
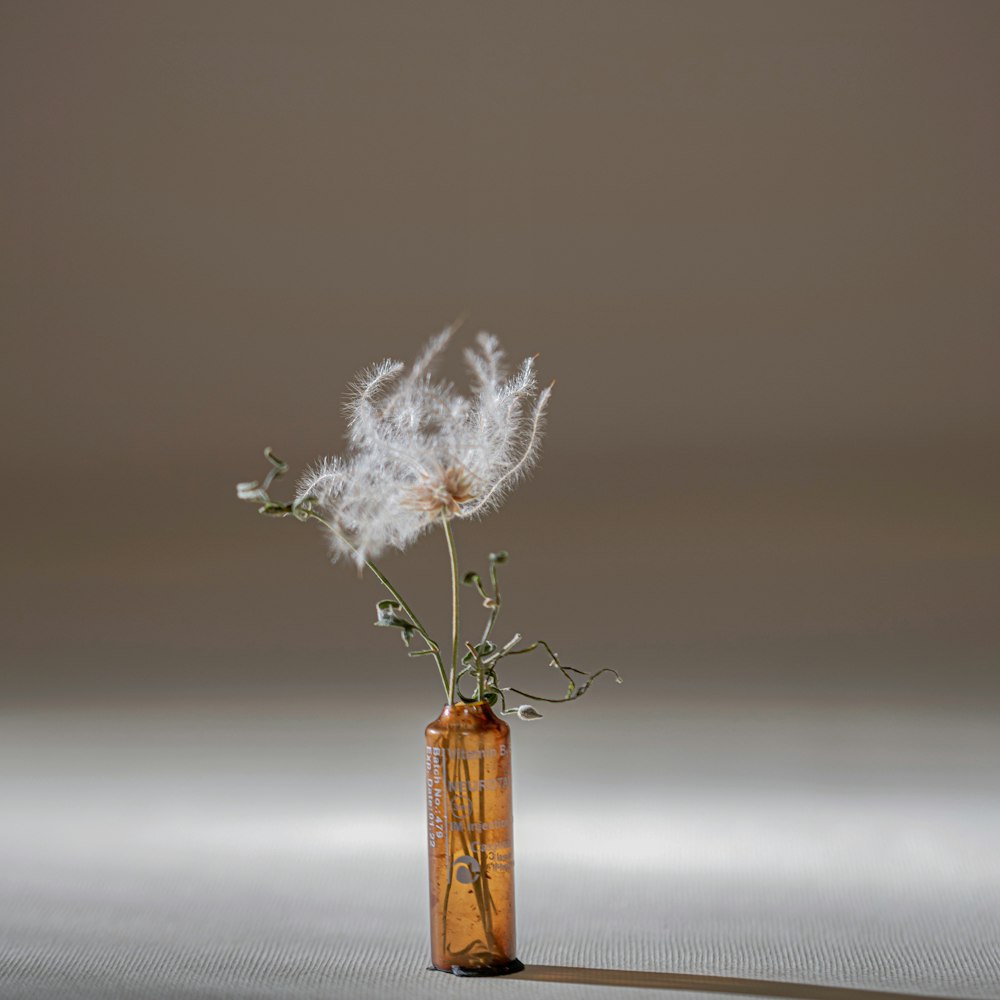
704	984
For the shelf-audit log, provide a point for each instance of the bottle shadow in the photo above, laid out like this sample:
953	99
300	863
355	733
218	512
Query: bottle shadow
705	984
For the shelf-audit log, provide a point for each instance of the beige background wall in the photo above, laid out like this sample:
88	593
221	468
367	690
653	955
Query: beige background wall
755	243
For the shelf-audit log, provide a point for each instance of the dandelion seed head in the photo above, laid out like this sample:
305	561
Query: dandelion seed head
419	450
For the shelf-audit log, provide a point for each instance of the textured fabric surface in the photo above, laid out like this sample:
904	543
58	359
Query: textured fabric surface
251	852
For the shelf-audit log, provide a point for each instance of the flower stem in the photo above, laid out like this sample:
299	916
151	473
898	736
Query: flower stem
383	579
417	623
450	538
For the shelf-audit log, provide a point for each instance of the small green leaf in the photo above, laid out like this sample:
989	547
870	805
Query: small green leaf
385	612
386	617
273	509
499	557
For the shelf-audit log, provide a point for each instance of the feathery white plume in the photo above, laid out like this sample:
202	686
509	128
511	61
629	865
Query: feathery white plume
419	451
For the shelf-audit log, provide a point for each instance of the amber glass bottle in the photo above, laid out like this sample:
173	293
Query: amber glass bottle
470	842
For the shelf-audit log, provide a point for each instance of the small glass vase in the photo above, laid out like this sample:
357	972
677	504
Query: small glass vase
470	842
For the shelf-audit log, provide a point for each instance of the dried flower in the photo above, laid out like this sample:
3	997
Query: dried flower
442	493
418	450
421	454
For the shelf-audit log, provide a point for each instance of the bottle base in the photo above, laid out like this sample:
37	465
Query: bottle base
486	970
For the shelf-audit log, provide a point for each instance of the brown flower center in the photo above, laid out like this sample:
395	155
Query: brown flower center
444	492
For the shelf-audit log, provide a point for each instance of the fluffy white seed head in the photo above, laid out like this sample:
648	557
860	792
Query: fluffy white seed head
418	450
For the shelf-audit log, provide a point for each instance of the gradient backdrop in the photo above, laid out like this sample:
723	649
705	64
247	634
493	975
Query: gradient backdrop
756	243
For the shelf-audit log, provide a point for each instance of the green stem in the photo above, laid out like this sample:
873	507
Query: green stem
413	618
481	886
384	580
454	607
480	672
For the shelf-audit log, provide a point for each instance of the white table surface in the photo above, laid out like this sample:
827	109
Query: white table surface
275	850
